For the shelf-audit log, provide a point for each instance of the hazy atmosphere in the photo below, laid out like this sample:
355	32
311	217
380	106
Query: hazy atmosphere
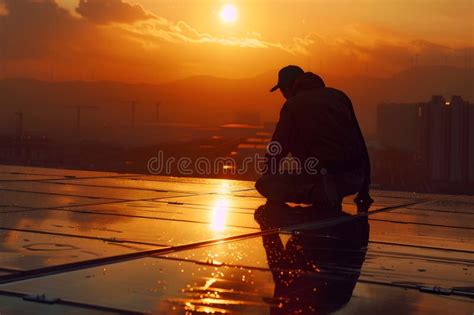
254	157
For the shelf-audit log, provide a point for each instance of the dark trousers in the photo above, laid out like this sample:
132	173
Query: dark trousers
322	190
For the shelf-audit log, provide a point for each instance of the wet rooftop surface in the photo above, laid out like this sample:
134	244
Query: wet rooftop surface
76	242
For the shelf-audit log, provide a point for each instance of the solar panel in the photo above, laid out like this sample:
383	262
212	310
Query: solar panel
85	242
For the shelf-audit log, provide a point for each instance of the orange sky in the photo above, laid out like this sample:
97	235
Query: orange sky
156	41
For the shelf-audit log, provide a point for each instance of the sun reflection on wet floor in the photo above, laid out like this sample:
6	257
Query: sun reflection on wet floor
220	209
219	214
224	188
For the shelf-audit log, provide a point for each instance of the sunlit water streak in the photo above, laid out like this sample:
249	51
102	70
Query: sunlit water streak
219	215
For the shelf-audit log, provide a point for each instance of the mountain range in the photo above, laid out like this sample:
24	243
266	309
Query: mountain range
208	100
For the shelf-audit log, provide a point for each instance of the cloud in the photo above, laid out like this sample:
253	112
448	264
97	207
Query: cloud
369	49
37	35
38	28
142	24
112	11
3	8
182	32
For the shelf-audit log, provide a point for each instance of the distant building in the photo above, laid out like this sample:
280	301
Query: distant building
435	139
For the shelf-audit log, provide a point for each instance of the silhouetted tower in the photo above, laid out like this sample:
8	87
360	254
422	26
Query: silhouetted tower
79	109
19	124
4	47
133	109
468	84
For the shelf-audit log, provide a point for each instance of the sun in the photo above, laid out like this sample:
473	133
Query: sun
228	13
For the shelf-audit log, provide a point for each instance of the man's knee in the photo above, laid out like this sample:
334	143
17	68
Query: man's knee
272	187
261	185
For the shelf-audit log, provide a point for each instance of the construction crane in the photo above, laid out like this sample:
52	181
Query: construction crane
19	124
79	109
133	109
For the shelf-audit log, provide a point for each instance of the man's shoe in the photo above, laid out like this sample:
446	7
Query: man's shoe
363	203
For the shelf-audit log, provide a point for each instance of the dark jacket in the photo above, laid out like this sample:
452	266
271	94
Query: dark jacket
320	122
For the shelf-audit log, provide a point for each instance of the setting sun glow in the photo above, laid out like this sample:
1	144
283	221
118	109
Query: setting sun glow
228	13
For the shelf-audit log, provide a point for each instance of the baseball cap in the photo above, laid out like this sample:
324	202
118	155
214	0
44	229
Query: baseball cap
286	76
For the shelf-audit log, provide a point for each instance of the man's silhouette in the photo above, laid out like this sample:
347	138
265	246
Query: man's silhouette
316	123
317	270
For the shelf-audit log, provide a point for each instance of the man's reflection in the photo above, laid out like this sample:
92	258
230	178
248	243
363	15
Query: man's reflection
317	270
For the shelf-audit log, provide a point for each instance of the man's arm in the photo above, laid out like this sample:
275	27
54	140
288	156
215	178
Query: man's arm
279	145
363	195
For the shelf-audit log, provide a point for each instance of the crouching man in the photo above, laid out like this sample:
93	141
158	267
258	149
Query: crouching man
316	123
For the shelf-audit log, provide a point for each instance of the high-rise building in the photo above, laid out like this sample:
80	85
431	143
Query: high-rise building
439	133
